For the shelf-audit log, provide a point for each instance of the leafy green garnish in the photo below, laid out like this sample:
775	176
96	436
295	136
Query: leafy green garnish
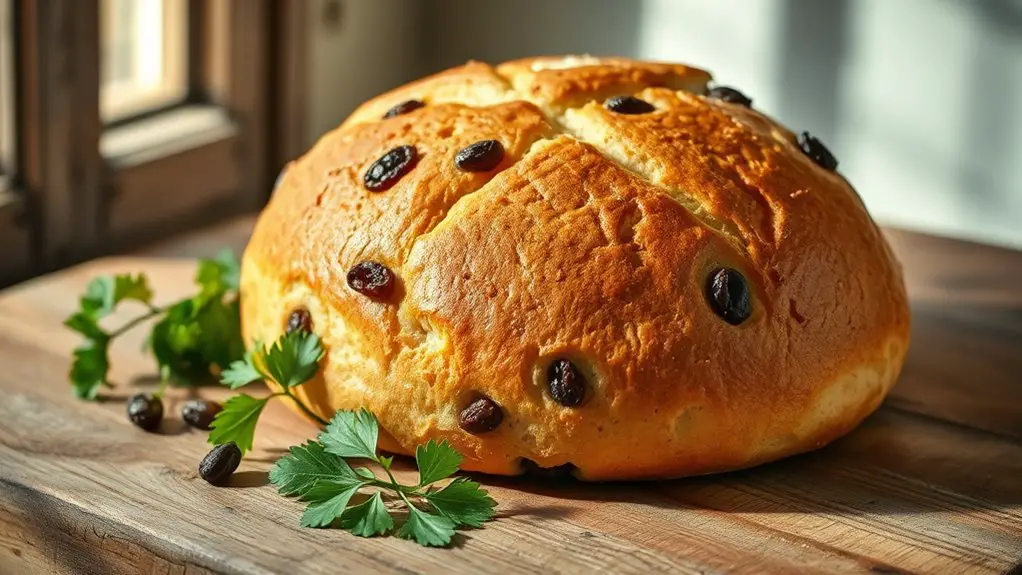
91	361
307	464
317	472
436	461
291	361
327	501
463	501
426	529
368	518
352	434
192	335
203	330
237	421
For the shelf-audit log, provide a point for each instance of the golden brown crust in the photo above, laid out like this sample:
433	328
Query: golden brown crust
592	240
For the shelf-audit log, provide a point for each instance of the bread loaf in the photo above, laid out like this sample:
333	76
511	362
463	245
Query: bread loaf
593	265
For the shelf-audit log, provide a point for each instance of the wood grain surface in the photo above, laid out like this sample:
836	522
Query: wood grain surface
932	483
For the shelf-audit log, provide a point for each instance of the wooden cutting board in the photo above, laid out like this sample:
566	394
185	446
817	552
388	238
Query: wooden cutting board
931	483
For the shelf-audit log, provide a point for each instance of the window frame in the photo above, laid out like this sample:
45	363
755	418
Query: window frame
86	189
15	256
175	178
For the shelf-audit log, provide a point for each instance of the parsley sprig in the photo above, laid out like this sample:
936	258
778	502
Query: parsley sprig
202	331
192	335
320	474
291	361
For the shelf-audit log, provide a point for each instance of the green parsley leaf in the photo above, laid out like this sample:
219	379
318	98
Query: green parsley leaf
174	342
241	373
237	421
427	529
329	500
368	518
352	434
86	325
436	461
218	275
90	363
297	472
463	502
293	359
318	473
89	368
104	293
364	473
195	334
219	329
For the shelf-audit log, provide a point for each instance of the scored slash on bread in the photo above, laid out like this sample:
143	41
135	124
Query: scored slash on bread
719	291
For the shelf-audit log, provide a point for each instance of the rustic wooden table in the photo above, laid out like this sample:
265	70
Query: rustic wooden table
931	483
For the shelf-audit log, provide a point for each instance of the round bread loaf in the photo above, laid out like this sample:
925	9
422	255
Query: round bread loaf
593	265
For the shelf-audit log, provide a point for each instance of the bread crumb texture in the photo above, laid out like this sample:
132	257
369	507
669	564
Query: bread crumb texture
592	240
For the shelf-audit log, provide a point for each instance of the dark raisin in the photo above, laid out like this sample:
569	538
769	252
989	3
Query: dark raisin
199	413
480	416
726	94
300	319
145	411
220	463
386	171
567	384
371	279
729	295
531	468
628	105
817	152
404	108
481	156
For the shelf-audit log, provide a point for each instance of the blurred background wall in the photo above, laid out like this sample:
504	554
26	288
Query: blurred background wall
921	100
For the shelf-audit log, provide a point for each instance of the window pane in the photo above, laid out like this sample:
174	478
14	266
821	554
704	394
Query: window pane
144	55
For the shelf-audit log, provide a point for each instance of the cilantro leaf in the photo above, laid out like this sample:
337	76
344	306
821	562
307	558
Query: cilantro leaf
426	529
368	518
329	500
237	421
463	502
293	359
241	373
297	472
89	368
352	434
436	461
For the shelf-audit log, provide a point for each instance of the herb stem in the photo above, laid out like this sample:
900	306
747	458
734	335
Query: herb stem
394	486
302	406
153	312
163	386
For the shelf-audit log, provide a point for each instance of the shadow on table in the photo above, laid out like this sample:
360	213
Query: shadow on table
895	463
